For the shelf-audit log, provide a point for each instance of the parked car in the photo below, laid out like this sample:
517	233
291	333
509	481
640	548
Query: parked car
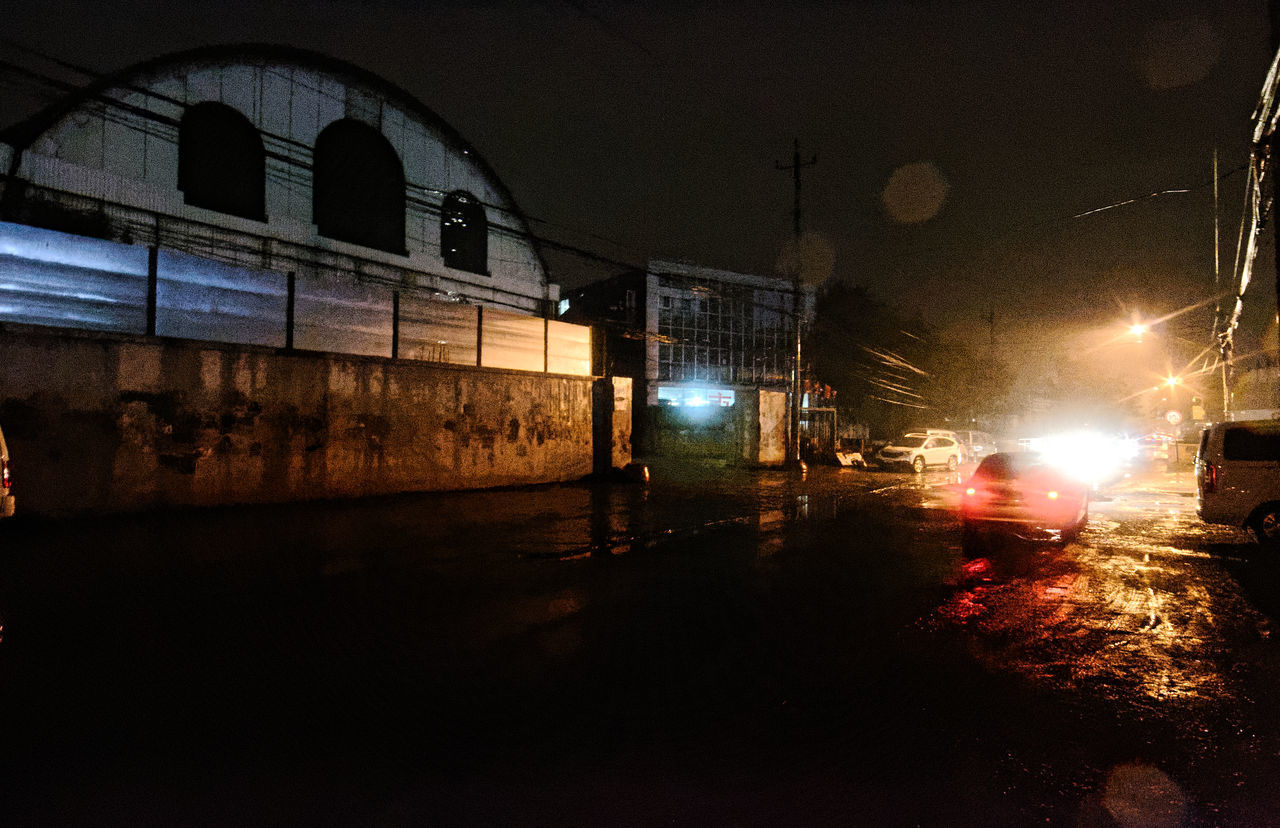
1156	448
1238	477
920	450
1022	495
977	444
7	500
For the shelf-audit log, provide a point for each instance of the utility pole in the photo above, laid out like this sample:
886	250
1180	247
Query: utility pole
1272	157
797	299
1217	290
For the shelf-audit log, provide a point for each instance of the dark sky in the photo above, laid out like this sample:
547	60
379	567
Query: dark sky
954	140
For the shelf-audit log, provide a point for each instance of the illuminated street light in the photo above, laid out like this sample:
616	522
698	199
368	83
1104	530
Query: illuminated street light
1138	329
1172	381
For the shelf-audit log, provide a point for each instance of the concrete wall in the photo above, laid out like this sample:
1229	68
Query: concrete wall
118	423
773	428
752	431
620	439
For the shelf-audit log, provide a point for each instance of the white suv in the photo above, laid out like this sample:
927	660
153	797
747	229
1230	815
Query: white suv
1238	477
918	450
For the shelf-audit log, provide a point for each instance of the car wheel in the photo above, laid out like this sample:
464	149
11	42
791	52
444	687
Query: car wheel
952	463
1265	525
918	465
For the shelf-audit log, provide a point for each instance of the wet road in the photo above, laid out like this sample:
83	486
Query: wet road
718	647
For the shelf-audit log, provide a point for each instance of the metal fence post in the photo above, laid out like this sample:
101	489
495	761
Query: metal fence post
153	287
395	324
291	282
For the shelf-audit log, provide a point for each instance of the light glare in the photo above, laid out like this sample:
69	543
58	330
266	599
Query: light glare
1087	456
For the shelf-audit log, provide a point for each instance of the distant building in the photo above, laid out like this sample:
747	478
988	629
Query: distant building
710	352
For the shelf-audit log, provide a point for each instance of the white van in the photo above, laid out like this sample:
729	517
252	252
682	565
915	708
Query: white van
7	500
1238	477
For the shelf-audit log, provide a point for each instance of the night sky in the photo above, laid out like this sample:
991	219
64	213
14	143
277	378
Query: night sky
955	141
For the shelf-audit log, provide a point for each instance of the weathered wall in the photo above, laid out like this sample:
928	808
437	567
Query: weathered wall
620	441
773	428
116	423
752	431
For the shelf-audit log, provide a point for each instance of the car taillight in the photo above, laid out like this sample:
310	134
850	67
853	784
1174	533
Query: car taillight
4	473
1209	482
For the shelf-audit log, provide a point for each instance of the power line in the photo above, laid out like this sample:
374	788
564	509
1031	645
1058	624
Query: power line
110	105
1130	201
607	27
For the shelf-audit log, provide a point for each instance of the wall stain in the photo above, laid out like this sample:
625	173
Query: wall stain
188	438
176	421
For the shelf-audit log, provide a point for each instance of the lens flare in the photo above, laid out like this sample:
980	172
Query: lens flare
915	193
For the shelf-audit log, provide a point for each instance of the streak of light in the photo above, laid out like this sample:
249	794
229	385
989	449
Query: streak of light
1129	201
900	389
890	358
898	402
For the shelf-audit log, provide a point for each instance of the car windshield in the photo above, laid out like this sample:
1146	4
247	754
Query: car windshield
911	442
1009	466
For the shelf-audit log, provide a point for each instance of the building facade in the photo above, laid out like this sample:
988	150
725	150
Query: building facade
710	352
299	216
252	172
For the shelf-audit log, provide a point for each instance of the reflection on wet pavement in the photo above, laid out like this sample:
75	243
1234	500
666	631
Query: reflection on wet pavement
741	631
1129	610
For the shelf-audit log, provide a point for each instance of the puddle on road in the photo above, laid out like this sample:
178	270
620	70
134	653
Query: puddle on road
614	521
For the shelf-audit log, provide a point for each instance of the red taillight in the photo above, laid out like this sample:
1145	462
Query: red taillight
4	472
1209	482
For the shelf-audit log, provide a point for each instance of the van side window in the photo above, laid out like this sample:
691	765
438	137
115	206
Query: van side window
1252	443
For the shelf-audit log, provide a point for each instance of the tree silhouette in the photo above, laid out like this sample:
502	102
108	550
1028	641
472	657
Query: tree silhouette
892	373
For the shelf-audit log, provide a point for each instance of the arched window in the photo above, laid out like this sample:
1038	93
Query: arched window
358	193
221	163
464	233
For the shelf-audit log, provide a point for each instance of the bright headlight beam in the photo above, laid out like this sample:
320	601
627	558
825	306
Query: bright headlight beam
1087	456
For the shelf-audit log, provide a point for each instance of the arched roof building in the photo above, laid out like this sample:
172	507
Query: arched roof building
273	160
